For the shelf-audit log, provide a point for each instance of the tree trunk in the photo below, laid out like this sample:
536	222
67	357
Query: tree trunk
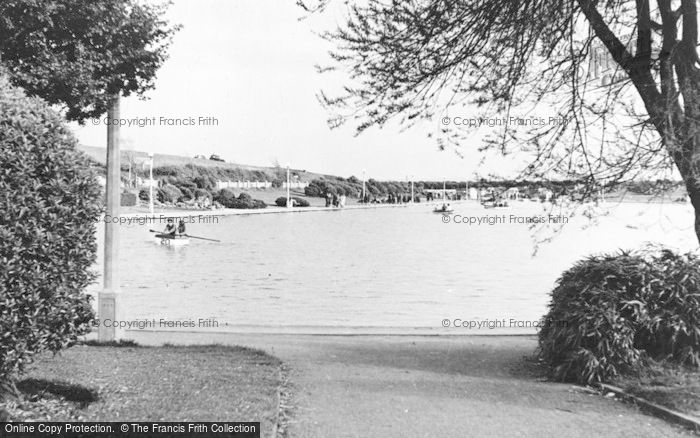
693	189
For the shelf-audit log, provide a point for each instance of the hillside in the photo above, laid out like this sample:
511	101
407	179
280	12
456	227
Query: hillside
98	155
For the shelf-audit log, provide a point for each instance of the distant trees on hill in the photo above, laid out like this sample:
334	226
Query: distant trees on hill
195	182
353	187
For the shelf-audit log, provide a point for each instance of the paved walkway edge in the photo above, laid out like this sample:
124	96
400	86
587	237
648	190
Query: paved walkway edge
276	421
284	408
658	410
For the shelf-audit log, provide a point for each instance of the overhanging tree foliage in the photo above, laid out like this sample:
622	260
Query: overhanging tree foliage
617	81
79	53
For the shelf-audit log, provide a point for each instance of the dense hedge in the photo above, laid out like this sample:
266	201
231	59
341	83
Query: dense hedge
144	194
610	313
49	204
169	193
298	202
201	194
352	187
228	199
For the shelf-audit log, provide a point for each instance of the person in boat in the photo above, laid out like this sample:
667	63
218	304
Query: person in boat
181	227
170	228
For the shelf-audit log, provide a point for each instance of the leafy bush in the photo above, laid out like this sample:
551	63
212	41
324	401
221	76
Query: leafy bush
245	197
168	193
246	201
167	171
49	207
298	202
144	194
228	199
201	194
610	313
187	194
204	182
313	190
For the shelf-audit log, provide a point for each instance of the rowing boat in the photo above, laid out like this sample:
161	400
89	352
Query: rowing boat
168	240
443	209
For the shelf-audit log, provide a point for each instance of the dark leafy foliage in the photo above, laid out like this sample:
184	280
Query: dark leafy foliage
49	204
169	193
79	53
227	198
610	313
144	194
201	194
298	202
187	194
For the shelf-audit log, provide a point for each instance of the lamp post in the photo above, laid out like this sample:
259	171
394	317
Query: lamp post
289	200
107	297
364	196
150	184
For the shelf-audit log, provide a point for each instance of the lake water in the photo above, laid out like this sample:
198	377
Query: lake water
385	267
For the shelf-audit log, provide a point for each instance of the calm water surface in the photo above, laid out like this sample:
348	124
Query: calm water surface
387	267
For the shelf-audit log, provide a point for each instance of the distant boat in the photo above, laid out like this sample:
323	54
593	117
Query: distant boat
168	240
444	209
494	203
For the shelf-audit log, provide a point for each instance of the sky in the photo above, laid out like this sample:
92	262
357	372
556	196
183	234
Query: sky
249	64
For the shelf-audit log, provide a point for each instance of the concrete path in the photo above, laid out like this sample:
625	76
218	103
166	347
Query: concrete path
447	386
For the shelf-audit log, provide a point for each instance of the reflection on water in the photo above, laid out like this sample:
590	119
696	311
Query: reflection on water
389	267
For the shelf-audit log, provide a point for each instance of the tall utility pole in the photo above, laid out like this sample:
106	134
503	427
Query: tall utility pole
150	184
107	298
289	198
363	186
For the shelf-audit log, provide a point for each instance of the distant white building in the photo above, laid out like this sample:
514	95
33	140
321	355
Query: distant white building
295	185
243	185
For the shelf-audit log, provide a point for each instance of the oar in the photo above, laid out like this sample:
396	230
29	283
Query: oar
201	238
192	237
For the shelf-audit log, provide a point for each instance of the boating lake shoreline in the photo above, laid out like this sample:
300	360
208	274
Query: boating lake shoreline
374	271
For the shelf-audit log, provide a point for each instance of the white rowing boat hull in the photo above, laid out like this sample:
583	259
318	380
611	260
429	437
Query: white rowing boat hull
169	241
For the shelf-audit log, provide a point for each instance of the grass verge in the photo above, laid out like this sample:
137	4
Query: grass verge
669	385
127	382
